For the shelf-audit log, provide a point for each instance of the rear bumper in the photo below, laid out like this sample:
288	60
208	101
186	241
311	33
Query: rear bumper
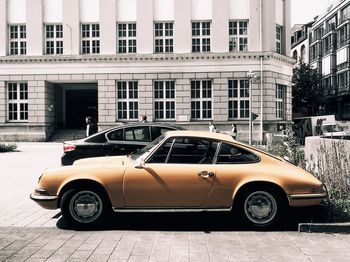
300	200
47	202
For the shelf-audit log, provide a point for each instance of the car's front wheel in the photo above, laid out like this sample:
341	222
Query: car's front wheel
260	208
83	207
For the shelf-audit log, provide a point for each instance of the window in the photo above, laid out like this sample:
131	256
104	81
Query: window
164	99
278	39
53	39
126	33
230	154
238	32
200	36
343	80
90	38
344	14
127	100
238	98
201	99
327	44
139	133
17	101
186	151
280	101
17	40
163	37
343	35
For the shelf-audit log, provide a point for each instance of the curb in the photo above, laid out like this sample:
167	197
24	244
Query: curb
324	228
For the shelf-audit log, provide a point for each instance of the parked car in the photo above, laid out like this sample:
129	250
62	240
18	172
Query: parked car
180	171
121	140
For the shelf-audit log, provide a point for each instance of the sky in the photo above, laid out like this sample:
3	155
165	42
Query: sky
304	11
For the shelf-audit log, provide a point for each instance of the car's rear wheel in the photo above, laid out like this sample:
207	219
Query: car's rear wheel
83	207
260	208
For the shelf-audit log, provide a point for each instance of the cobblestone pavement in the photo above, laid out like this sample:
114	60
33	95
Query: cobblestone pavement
29	233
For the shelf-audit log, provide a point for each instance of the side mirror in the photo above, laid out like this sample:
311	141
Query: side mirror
140	164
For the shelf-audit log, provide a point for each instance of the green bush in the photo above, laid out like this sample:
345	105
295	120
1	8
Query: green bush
7	147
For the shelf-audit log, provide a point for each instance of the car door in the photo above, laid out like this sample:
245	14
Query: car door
124	141
179	174
233	164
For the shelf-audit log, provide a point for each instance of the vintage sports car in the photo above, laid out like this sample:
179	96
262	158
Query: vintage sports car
180	171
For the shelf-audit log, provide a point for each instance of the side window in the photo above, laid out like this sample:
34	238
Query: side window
192	151
162	153
137	134
230	154
116	135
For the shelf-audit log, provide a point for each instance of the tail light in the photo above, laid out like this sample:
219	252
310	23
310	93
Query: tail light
68	148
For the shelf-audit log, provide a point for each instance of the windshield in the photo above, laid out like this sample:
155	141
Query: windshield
147	148
331	128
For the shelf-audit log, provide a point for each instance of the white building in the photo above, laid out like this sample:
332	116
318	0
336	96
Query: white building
181	61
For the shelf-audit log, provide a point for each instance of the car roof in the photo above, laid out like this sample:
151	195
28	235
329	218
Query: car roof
124	125
203	134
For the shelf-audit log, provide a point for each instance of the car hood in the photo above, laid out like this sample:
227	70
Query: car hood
103	161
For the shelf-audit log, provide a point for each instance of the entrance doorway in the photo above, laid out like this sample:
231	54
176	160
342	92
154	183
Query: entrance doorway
79	105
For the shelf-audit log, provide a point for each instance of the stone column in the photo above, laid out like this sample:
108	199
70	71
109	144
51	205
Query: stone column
144	26
3	28
182	26
34	13
71	27
108	26
219	32
286	44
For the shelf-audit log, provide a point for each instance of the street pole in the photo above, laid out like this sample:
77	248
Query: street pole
251	75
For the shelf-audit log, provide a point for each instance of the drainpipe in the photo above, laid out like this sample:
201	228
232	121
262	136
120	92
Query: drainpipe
261	77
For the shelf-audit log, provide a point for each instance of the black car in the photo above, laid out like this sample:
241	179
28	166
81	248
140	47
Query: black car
121	140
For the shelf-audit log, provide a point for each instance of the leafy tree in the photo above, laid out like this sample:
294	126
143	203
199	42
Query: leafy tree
305	89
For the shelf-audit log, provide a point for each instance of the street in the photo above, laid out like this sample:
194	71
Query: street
30	233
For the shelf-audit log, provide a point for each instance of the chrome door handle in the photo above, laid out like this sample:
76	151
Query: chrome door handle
206	174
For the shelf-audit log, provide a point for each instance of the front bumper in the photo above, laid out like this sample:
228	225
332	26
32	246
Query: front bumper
47	202
301	200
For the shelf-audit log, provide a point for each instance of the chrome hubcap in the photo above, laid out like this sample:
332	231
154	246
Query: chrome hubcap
260	207
85	206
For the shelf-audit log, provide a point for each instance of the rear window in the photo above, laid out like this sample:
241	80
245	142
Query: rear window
230	154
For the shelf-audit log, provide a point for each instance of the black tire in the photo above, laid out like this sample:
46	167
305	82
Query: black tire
83	207
260	208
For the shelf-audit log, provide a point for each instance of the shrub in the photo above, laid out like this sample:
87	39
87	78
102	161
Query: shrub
333	169
290	148
7	147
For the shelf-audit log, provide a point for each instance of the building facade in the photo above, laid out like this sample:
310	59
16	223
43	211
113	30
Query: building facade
329	53
300	42
181	61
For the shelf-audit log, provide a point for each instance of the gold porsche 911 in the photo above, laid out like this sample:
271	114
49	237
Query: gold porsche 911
180	171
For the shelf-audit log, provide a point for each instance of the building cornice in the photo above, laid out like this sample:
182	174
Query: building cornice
129	58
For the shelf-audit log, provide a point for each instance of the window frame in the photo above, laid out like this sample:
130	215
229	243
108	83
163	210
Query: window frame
129	38
202	100
280	97
238	99
279	33
238	42
168	86
131	112
91	37
163	43
57	39
17	41
17	102
203	40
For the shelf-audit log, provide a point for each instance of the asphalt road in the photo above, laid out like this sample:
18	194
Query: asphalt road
29	233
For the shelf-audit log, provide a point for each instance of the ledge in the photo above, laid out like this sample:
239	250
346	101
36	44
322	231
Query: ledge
143	58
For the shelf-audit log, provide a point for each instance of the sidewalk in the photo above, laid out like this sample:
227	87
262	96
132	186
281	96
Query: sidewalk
52	244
